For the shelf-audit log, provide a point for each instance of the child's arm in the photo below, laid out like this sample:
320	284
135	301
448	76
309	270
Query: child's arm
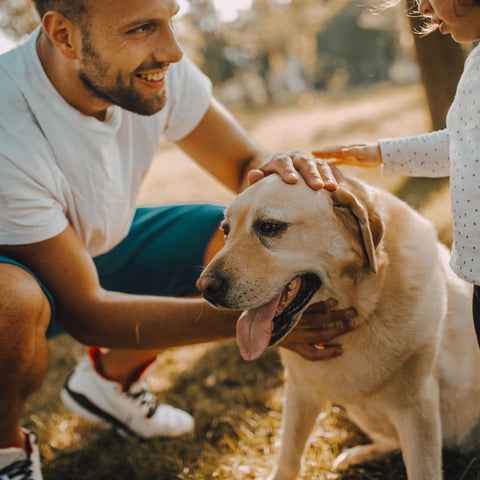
359	155
424	155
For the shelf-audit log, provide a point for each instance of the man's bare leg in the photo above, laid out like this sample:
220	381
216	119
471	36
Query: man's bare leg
24	318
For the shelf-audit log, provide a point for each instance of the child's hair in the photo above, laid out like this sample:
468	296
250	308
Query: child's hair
428	27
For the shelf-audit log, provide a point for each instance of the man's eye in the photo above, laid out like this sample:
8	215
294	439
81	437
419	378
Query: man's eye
226	230
142	28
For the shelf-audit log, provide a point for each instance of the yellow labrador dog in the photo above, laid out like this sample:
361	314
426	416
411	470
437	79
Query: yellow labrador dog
410	372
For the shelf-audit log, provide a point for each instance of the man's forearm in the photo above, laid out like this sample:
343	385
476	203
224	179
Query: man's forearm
118	320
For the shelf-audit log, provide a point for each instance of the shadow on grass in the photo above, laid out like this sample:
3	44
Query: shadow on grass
237	409
228	397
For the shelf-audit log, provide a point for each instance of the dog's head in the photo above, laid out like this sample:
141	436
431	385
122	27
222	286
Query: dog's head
286	246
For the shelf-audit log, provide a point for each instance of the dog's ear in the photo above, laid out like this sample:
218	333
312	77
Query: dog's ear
360	217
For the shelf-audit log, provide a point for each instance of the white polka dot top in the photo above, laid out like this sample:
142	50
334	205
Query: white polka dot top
454	151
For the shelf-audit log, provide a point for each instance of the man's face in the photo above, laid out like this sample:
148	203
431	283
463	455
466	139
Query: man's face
126	50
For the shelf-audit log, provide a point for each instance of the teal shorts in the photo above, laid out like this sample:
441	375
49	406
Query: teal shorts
162	254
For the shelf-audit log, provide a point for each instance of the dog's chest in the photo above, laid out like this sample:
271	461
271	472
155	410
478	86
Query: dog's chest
342	380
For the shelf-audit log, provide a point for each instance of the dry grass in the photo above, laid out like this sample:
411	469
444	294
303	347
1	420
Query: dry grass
237	405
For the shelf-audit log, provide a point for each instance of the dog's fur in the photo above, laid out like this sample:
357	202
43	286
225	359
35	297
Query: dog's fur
409	376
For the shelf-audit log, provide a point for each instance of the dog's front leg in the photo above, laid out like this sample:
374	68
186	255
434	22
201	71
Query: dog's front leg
300	410
420	433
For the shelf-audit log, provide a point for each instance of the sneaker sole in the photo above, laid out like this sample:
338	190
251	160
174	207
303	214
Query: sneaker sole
77	408
83	407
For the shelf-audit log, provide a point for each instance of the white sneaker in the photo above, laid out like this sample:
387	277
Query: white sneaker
95	398
15	464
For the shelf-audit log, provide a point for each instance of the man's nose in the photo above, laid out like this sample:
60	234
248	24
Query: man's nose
167	48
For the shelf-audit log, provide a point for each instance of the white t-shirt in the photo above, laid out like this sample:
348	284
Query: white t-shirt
454	151
58	166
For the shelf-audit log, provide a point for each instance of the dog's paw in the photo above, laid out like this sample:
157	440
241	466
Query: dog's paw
358	455
343	461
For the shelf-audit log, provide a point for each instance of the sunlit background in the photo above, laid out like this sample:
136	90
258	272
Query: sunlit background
299	74
227	11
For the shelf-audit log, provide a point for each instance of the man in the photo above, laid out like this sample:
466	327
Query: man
83	104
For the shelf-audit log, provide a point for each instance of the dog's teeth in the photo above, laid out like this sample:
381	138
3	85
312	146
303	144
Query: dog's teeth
288	294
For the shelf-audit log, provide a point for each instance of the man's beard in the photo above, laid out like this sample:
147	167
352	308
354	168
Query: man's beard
95	77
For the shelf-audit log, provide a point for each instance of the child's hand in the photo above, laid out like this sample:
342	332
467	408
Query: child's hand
360	155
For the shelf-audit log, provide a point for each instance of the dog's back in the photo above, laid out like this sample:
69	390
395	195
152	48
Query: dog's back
416	307
409	375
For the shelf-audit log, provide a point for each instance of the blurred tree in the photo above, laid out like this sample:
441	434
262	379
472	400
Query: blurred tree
210	44
355	48
282	48
17	17
441	62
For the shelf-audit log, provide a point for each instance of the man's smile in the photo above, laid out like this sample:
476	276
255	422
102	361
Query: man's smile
154	80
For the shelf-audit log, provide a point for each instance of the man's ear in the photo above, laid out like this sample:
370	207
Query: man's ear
62	33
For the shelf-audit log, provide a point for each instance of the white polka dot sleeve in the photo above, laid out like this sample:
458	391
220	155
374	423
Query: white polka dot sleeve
453	152
420	156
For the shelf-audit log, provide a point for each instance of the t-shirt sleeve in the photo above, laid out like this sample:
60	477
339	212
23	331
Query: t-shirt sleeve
424	155
29	213
189	92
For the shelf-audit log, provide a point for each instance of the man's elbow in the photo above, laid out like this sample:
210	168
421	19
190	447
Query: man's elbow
84	320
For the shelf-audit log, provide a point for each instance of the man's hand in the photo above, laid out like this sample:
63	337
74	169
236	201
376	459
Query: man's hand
318	327
360	155
317	173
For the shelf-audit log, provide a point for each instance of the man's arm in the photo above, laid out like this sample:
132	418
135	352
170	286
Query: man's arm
103	318
222	146
95	316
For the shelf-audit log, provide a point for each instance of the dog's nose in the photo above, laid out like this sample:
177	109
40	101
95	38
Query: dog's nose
212	286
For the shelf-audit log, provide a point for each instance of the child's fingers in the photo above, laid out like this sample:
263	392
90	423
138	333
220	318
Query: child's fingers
363	155
329	152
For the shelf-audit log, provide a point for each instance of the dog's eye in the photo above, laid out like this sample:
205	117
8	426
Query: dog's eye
270	228
226	229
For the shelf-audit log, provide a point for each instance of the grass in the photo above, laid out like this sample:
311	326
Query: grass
237	404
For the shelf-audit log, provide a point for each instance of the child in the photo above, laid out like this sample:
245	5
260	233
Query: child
454	151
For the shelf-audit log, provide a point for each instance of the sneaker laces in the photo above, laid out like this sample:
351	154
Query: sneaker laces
144	398
19	470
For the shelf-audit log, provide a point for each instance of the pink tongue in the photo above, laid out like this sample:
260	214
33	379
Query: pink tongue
254	329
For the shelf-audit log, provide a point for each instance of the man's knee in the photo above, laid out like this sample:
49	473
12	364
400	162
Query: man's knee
24	318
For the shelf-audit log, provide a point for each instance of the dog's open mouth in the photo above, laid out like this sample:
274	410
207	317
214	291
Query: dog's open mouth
267	325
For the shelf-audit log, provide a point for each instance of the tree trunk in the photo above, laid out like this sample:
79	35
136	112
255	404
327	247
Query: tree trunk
440	60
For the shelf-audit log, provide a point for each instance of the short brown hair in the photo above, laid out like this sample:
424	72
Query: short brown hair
74	10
